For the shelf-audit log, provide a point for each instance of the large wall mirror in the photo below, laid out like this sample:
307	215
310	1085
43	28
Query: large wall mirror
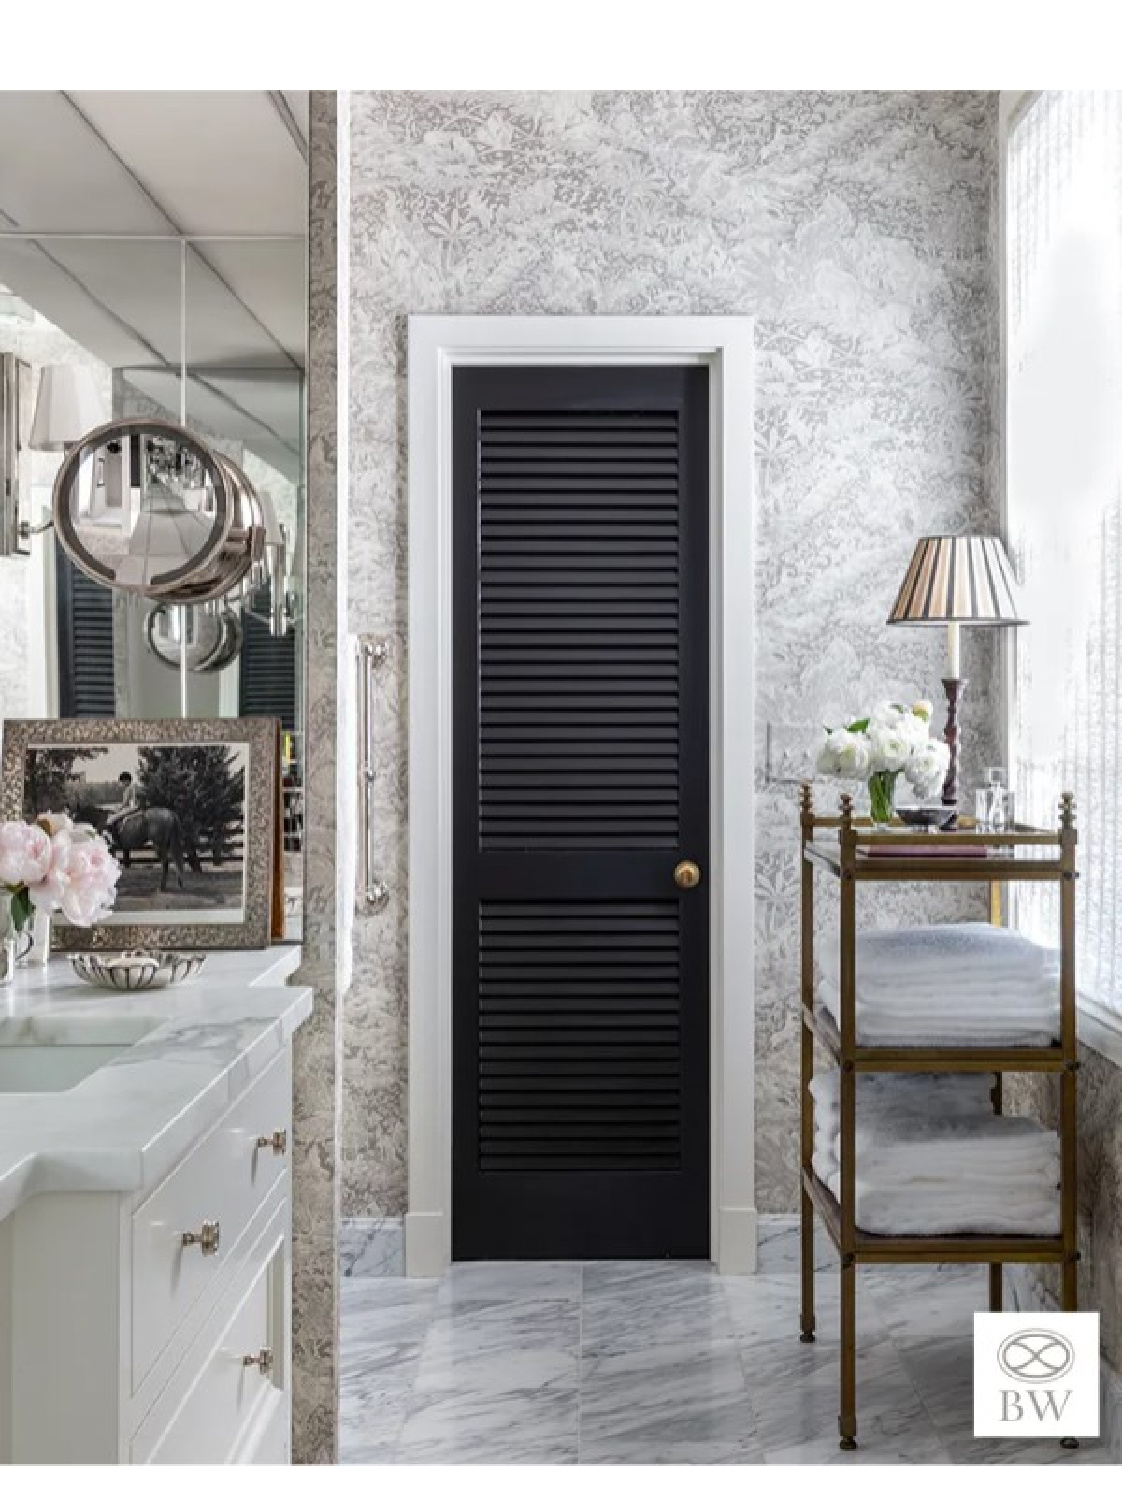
153	268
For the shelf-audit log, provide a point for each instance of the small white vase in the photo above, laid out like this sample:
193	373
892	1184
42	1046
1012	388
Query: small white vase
40	950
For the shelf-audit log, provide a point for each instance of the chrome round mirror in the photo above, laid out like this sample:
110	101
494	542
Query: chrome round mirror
147	507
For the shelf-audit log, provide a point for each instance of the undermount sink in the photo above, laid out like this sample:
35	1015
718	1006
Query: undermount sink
46	1057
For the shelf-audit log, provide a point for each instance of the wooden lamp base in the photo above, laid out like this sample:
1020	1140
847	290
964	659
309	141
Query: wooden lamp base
954	687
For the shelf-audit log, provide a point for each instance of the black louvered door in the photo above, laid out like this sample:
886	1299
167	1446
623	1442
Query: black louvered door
84	628
581	779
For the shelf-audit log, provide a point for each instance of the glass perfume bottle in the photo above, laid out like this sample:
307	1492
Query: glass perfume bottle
993	803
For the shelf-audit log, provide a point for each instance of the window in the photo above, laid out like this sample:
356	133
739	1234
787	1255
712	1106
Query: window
1064	288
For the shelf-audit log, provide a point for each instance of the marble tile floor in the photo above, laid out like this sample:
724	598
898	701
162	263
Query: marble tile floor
660	1362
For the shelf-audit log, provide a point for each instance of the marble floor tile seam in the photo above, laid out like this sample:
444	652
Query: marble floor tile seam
622	1440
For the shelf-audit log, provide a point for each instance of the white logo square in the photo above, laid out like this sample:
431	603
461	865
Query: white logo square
1036	1375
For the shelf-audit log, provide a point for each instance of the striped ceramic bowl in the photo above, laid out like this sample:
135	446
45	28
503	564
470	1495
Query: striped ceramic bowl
136	971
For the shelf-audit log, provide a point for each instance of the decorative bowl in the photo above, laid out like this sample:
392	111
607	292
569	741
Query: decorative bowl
136	971
932	816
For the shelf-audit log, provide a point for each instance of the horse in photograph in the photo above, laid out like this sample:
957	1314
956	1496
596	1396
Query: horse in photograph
158	827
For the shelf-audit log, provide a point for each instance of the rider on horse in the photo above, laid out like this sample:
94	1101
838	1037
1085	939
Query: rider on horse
130	803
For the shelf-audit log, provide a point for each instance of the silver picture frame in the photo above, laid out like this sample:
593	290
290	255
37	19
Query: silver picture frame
254	742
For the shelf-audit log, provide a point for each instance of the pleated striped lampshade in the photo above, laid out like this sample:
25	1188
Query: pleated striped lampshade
966	578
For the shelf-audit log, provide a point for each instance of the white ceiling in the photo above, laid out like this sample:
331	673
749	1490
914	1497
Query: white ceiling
168	163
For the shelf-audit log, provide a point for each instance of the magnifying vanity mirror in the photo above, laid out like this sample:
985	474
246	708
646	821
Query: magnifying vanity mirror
148	508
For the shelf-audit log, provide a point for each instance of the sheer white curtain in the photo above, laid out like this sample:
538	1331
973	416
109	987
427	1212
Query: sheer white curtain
1064	236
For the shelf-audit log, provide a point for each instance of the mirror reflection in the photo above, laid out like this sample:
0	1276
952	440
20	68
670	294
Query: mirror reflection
142	508
173	582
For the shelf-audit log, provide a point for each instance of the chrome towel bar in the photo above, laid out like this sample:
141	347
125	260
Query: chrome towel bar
373	893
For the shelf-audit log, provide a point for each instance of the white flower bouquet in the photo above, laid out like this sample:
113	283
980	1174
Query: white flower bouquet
890	742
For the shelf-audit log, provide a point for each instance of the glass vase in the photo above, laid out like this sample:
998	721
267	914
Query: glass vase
7	939
882	797
35	947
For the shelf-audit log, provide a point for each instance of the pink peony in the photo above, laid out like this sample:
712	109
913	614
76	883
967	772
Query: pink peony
80	878
25	854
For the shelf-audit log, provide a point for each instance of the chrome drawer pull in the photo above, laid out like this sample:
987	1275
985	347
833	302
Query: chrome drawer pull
263	1359
278	1141
207	1238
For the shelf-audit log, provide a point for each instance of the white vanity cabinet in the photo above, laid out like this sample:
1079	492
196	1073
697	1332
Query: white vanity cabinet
155	1327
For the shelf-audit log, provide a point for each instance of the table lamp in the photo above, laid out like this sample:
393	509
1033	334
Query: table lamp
953	581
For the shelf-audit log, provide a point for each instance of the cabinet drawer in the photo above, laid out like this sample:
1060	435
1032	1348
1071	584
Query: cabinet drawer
217	1412
224	1180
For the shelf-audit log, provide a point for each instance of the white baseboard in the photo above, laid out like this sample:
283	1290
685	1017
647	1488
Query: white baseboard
427	1251
736	1241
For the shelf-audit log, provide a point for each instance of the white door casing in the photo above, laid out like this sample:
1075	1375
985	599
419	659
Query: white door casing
436	346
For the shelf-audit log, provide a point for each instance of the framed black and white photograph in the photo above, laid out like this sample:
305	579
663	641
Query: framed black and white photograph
188	808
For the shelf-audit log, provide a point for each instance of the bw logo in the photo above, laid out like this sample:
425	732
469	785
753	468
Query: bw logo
1036	1375
1034	1357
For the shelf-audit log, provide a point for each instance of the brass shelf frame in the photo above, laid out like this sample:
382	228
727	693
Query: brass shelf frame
849	861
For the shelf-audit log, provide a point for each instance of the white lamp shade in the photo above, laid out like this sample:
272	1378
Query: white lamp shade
69	404
273	533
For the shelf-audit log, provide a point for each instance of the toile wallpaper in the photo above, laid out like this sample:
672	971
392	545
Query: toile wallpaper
858	229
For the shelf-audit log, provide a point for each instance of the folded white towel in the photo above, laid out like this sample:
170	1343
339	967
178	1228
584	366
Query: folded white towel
1009	1187
899	1211
933	1158
1032	1022
948	1157
964	1092
994	1172
944	952
1016	1000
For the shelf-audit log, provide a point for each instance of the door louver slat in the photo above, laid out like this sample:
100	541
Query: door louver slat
579	1021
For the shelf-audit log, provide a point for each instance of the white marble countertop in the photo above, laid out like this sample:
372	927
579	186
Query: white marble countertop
125	1126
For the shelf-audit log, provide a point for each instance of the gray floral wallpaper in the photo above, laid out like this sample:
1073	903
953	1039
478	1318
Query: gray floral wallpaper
858	229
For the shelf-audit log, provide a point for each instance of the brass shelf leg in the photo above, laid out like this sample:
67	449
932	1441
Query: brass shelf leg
995	1287
806	1248
847	1419
806	1070
995	1268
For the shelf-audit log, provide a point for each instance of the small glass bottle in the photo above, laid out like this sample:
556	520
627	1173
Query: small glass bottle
997	797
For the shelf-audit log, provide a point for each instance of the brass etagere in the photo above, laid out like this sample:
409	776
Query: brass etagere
1046	856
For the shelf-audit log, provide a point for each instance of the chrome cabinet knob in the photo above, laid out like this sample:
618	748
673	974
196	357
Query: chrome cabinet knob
263	1359
278	1141
207	1238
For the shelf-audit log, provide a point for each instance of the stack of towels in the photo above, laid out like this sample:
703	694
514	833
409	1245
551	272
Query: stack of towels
965	984
933	1158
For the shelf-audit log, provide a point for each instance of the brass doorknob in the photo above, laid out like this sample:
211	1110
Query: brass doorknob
278	1142
686	875
263	1359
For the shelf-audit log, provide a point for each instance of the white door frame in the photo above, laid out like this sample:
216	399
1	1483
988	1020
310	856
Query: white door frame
436	346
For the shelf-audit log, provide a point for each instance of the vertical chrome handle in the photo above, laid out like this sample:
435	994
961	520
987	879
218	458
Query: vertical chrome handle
373	894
